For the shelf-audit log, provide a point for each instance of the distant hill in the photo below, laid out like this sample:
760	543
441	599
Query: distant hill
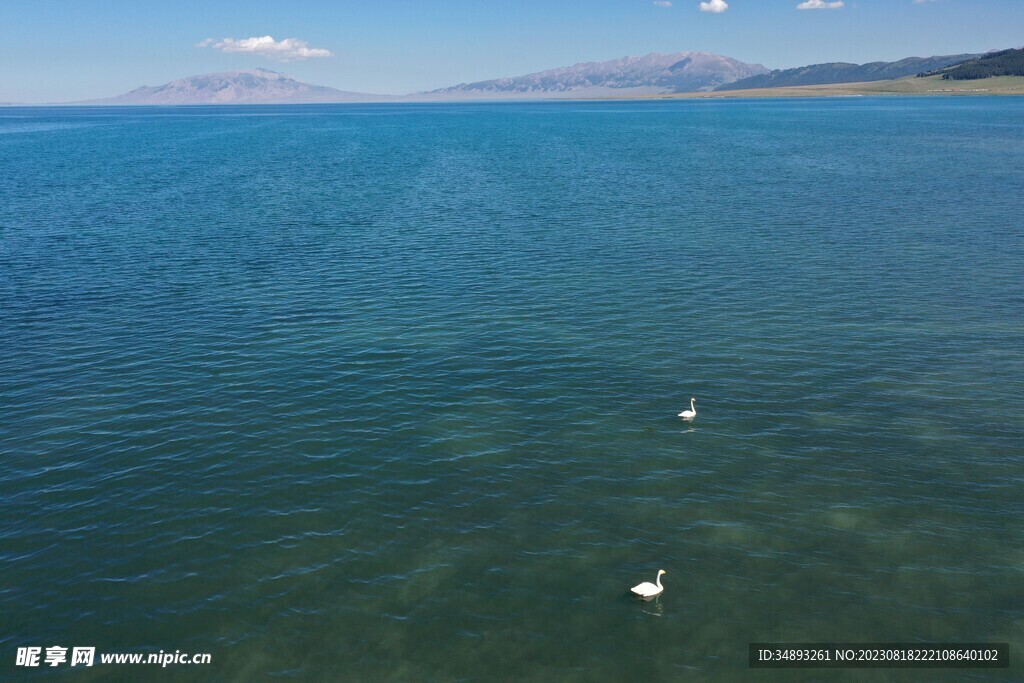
255	86
842	72
1003	63
652	74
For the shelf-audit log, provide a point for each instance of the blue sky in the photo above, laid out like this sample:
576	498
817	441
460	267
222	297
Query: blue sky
55	50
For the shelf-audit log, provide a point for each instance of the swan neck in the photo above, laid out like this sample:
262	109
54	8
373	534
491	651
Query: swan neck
658	581
692	407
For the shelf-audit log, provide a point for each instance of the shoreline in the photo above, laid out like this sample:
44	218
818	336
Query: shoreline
931	86
911	86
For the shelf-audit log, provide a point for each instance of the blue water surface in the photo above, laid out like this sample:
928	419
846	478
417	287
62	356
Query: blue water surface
389	392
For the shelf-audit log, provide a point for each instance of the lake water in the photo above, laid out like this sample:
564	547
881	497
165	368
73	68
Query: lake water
389	393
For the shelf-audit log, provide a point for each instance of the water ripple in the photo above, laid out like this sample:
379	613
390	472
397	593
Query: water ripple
389	393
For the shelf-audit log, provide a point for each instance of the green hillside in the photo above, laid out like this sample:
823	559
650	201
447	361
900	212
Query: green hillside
841	72
927	86
1004	63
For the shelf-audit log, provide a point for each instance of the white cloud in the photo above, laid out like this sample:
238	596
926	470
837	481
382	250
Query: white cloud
662	3
715	6
282	50
820	4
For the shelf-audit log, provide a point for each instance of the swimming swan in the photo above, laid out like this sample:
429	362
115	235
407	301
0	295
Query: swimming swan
691	413
648	590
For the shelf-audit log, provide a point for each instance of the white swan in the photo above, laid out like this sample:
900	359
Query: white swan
648	590
691	413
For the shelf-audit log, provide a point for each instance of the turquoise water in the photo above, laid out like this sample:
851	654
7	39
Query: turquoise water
373	393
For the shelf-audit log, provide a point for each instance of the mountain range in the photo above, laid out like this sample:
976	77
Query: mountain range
253	86
651	74
843	72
